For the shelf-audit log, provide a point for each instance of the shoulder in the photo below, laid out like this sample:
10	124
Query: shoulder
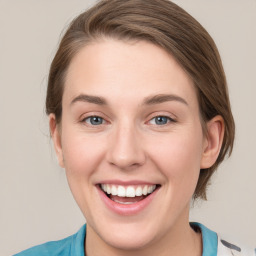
72	245
226	248
61	247
217	245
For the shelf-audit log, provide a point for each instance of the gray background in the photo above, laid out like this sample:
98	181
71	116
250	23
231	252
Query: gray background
35	203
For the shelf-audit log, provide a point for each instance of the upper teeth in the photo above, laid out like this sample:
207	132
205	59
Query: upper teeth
129	191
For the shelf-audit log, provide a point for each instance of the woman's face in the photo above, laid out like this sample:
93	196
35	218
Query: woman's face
130	125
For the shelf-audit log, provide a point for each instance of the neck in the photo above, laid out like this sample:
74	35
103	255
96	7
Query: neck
181	240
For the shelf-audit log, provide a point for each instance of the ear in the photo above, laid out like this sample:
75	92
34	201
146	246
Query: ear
213	142
56	137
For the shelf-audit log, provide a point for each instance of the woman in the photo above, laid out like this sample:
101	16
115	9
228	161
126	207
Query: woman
140	119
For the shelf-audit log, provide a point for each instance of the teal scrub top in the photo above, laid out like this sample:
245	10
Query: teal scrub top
74	245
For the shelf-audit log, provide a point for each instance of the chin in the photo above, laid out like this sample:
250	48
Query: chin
129	235
129	241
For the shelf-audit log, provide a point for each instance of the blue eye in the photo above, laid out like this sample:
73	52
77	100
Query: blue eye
94	120
161	120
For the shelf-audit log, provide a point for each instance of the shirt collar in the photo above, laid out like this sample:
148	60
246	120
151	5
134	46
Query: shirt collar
210	239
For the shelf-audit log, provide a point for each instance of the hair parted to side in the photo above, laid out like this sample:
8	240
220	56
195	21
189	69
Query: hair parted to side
162	23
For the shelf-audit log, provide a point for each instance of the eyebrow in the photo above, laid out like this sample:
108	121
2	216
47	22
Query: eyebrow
89	98
161	98
150	100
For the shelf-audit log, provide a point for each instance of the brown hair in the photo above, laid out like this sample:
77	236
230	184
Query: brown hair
162	23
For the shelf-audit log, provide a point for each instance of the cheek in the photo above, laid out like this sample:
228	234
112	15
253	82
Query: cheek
82	157
82	154
178	157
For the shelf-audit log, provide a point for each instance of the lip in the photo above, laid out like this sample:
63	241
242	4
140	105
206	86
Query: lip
127	209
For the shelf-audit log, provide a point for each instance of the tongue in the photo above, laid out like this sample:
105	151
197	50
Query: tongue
126	200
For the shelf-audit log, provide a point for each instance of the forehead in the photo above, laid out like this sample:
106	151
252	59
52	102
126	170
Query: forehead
114	69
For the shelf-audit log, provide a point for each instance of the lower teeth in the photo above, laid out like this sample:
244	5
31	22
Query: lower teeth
126	200
123	202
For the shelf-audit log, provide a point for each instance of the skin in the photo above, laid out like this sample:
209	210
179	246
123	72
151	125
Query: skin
130	145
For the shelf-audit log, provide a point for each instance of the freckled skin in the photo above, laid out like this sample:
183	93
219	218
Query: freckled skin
130	145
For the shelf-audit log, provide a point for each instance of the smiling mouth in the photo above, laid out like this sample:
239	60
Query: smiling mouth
127	194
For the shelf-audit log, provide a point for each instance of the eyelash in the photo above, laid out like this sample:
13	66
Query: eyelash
167	118
91	117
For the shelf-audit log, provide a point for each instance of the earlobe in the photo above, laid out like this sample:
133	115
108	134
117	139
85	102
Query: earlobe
213	142
56	138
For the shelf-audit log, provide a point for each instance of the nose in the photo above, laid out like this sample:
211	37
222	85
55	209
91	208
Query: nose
125	149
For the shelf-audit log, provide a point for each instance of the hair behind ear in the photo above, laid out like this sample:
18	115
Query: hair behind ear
215	130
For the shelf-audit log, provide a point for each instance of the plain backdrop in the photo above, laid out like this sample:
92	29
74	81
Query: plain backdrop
35	202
